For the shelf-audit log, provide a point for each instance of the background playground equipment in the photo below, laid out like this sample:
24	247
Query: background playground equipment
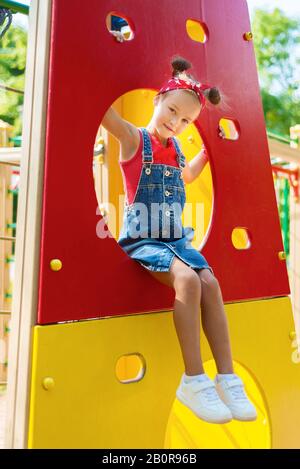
8	195
118	337
286	170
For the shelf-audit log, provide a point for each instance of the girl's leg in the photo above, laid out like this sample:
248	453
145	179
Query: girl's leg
187	286
214	321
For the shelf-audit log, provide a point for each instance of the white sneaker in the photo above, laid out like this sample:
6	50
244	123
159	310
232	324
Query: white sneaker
231	390
202	398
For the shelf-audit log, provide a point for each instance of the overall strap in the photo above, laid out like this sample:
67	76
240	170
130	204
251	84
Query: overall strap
180	155
147	153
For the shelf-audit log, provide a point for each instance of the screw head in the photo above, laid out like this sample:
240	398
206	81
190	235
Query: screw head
48	383
248	36
56	265
282	255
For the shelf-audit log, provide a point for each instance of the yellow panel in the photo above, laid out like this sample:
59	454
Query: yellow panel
88	407
83	404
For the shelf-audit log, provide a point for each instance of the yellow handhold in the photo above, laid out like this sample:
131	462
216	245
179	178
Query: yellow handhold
55	264
103	211
191	139
292	335
282	255
48	383
99	159
100	141
248	36
127	35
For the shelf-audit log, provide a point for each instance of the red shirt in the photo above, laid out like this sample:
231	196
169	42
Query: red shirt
131	169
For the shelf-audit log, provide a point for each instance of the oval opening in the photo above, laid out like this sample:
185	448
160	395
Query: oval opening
130	368
118	25
197	31
229	129
137	108
240	238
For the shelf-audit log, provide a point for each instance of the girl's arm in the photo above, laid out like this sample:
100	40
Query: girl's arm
115	125
193	168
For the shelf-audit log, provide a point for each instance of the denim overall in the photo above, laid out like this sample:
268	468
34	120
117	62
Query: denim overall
152	231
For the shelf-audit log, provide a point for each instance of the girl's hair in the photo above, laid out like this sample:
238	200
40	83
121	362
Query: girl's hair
180	64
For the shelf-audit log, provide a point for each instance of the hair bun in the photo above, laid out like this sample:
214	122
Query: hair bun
213	95
179	65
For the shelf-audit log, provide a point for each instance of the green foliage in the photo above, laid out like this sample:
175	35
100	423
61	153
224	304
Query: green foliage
276	42
12	73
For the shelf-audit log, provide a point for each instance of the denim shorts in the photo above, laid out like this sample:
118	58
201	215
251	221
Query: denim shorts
157	255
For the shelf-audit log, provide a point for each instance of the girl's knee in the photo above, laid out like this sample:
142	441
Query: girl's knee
188	281
208	280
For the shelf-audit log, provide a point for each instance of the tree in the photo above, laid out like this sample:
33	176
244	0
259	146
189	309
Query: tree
276	42
12	73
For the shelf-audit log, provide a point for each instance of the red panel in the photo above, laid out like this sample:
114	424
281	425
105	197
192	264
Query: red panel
88	72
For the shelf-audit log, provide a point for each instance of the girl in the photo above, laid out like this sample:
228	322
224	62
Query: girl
154	172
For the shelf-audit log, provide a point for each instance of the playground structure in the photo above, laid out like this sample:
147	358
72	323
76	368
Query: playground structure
77	302
6	252
8	197
286	169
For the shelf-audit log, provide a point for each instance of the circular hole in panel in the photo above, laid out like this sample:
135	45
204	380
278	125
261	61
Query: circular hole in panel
120	26
241	238
230	129
130	368
197	30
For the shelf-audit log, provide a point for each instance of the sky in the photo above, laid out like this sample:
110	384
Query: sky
290	7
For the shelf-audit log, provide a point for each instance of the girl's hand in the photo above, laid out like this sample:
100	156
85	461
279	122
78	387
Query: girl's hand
118	35
221	132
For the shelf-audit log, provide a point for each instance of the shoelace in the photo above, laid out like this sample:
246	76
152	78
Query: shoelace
209	393
238	393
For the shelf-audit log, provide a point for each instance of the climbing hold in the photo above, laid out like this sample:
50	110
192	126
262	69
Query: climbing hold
99	159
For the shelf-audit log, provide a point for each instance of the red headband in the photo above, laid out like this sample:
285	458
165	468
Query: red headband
176	83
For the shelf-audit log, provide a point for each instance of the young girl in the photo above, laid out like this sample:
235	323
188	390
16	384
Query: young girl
154	173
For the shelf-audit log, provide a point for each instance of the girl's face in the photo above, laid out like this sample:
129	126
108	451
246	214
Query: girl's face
174	112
